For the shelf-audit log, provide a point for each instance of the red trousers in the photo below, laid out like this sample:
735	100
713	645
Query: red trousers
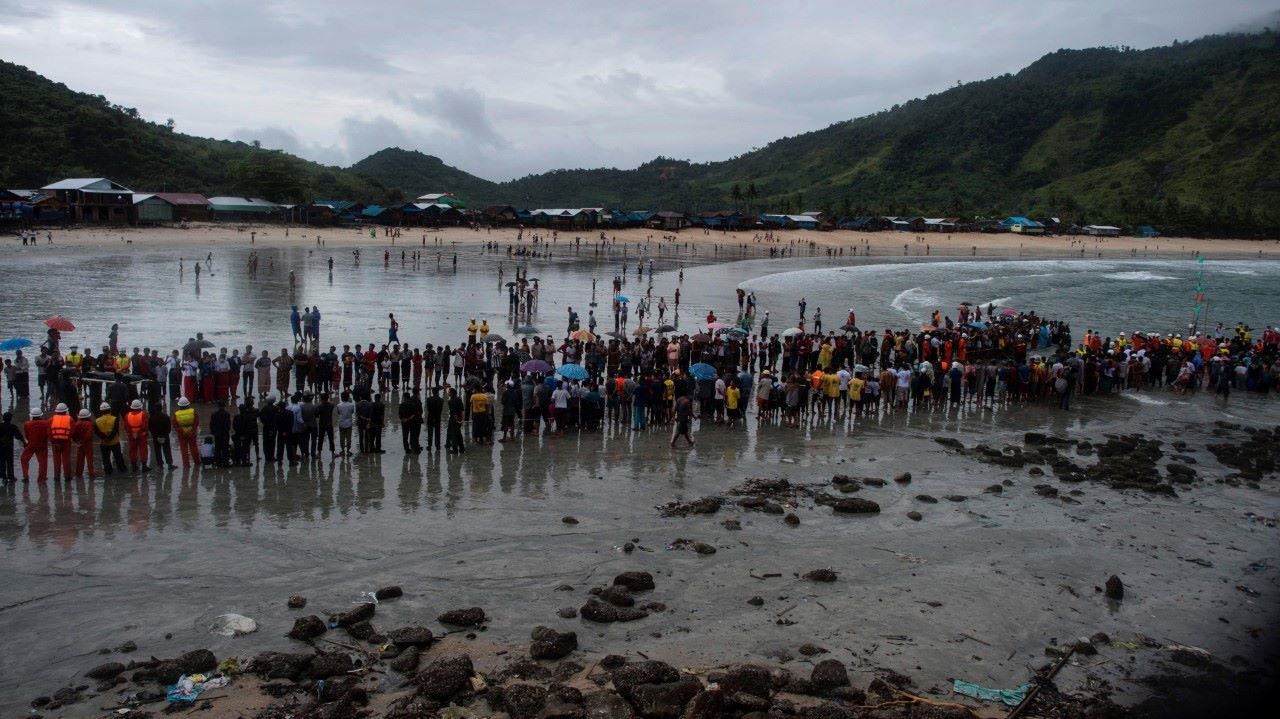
189	448
138	449
84	460
189	388
61	459
41	453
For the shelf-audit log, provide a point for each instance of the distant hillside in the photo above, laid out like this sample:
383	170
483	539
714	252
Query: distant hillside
51	132
417	174
1186	137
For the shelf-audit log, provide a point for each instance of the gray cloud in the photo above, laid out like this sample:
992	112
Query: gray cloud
501	93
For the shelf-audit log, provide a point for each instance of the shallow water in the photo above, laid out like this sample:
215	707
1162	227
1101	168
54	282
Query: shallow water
87	566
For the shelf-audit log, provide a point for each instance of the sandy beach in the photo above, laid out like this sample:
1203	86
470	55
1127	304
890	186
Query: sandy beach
875	244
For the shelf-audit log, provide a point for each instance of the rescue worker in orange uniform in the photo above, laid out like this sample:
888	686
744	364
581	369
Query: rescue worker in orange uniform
187	424
36	433
82	436
135	426
60	442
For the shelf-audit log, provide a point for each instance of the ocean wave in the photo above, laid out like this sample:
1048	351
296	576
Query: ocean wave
998	302
981	281
1250	273
1141	398
915	303
1138	276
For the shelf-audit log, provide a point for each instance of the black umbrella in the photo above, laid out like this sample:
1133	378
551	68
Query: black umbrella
666	328
849	328
616	335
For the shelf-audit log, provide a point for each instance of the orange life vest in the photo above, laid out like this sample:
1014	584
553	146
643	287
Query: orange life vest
60	428
137	422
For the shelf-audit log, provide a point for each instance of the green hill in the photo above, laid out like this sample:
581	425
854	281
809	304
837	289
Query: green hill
417	174
1185	137
52	132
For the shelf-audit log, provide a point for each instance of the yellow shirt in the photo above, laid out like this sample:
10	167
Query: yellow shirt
472	329
855	389
484	327
831	385
731	395
669	389
479	403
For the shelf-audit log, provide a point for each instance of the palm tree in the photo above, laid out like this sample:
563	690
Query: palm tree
736	194
751	196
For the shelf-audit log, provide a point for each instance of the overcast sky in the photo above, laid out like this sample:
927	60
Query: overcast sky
503	89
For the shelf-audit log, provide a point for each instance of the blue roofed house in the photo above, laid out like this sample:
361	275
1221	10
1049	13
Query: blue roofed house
1145	231
1022	225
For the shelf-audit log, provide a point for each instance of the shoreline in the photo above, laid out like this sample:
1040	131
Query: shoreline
877	244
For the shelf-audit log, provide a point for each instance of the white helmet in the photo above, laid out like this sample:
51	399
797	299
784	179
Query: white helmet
36	413
61	408
184	402
136	404
85	414
104	407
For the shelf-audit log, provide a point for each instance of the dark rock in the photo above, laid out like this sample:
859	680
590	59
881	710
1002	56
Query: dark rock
569	520
1115	588
277	665
297	602
618	596
756	601
956	498
469	617
855	505
810	650
903	478
654	607
389	592
798	685
706	505
360	630
873	482
829	674
554	645
445	678
927	499
821	575
523	701
666	700
827	710
843	479
635	581
406	662
612	661
419	637
731	524
702	548
915	516
792	519
949	442
628	676
567	613
127	647
110	670
995	489
709	704
565	588
606	705
361	613
630	614
748	678
597	611
628	548
324	666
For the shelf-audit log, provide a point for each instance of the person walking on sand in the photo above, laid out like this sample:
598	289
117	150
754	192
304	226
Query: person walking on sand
295	321
393	329
684	412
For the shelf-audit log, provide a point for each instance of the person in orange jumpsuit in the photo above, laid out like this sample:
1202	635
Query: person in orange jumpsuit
60	442
82	436
36	432
135	427
187	424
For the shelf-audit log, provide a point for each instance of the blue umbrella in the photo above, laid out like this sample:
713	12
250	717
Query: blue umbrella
978	325
702	370
572	371
622	298
527	330
15	343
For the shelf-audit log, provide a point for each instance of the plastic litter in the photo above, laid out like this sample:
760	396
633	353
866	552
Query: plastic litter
1012	697
189	688
229	667
233	625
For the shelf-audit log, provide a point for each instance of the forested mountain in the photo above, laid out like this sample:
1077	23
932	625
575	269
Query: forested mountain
51	132
1186	137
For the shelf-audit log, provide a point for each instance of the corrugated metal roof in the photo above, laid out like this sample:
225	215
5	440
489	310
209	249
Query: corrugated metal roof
246	201
182	198
86	183
142	197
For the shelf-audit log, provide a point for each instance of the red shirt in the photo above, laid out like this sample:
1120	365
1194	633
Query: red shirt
37	433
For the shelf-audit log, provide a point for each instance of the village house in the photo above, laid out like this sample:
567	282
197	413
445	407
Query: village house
92	200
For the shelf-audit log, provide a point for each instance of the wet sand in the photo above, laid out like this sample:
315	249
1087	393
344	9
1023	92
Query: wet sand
90	566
